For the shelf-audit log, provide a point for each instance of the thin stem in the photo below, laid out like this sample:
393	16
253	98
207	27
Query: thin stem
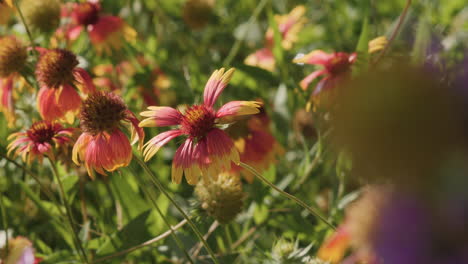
144	244
25	26
5	224
395	31
289	196
196	249
235	48
150	193
228	237
158	184
76	239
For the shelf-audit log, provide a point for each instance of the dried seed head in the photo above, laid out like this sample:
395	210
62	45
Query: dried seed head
41	15
102	111
223	198
13	56
55	68
196	13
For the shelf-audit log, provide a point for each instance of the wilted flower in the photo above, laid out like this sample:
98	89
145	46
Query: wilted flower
196	13
207	150
13	56
39	140
21	251
255	143
289	26
103	145
106	32
58	75
42	15
222	198
336	67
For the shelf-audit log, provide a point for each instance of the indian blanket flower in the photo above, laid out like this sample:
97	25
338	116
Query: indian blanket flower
39	140
289	26
58	76
336	67
106	32
255	143
13	56
207	150
20	251
103	146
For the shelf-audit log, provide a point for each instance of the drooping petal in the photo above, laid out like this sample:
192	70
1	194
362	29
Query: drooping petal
69	102
152	146
215	85
73	32
160	116
221	151
79	149
98	154
121	151
47	104
335	246
318	57
229	111
85	82
310	78
138	134
6	100
186	162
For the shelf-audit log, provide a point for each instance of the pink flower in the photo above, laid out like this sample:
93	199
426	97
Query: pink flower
39	140
58	75
103	145
105	32
207	150
336	67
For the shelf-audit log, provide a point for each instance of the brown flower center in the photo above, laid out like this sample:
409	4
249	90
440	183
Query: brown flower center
101	112
41	132
197	121
13	56
55	68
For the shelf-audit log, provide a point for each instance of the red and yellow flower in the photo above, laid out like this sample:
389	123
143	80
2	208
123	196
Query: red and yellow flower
255	143
207	150
106	32
103	146
336	67
39	140
13	56
289	26
58	75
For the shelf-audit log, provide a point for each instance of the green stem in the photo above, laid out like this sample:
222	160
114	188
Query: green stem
63	196
228	237
25	26
5	224
159	185
287	195
149	193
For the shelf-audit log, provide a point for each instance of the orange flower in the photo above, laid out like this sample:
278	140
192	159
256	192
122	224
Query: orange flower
255	143
13	57
39	140
207	150
58	75
102	145
106	32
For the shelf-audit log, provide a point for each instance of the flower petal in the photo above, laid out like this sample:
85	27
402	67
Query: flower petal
79	149
152	146
315	57
186	162
160	116
121	151
310	78
86	84
237	108
138	134
215	85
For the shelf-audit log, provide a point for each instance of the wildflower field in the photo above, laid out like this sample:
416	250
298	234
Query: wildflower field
234	131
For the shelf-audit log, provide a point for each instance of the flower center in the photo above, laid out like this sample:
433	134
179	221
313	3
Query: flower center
86	14
41	132
13	56
55	68
101	112
339	64
197	121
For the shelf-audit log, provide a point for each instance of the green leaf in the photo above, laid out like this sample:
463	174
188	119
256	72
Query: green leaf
261	213
132	203
278	51
362	47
